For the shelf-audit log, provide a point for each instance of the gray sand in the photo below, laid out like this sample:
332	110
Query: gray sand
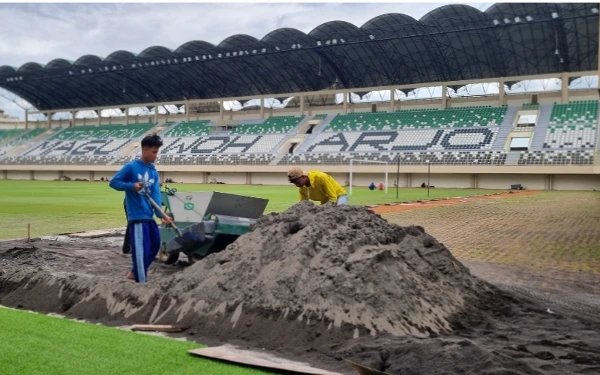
336	265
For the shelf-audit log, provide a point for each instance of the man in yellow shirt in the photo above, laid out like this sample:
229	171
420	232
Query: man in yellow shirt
318	186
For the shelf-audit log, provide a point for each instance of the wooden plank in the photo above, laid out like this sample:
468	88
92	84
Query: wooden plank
155	328
364	370
261	360
97	233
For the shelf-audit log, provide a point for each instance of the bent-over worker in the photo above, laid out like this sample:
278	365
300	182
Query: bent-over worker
318	186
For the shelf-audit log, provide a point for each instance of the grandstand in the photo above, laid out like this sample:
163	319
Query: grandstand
543	140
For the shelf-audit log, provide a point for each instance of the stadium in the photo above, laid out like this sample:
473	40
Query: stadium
544	141
350	101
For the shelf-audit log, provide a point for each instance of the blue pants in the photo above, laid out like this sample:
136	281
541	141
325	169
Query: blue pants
342	200
145	243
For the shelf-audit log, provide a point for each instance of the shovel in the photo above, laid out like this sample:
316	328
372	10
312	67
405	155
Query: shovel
188	241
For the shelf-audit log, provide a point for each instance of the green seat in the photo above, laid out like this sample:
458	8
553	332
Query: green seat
188	129
102	132
272	125
419	119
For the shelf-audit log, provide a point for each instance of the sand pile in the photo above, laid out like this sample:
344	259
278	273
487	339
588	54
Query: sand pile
338	267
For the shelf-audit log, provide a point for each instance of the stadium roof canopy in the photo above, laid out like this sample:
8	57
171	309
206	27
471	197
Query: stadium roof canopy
450	43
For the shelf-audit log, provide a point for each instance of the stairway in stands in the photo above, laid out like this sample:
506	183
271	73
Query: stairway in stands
316	131
512	157
505	128
541	127
291	134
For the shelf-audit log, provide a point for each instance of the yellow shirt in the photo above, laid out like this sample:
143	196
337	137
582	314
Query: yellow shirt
323	188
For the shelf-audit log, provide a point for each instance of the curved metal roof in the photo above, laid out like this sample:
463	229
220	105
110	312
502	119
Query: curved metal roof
450	43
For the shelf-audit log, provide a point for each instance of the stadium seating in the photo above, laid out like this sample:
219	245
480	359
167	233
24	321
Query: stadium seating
455	136
272	125
418	119
6	134
210	159
59	160
576	112
29	135
452	158
86	147
189	129
573	125
530	106
405	140
319	116
102	132
222	159
232	144
558	157
15	140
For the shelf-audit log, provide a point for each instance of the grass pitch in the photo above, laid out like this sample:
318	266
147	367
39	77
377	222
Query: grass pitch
54	207
38	344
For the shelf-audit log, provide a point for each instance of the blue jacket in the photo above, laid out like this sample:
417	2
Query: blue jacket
138	206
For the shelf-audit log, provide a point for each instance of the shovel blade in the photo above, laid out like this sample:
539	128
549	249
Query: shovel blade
189	242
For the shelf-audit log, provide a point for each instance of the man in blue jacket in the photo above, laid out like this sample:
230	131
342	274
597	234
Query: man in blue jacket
137	178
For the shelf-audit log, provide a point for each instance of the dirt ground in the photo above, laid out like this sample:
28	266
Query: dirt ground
437	202
541	252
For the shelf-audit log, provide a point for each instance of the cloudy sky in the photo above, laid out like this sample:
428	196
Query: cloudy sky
43	32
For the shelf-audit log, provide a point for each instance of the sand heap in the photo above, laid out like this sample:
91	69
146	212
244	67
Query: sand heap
335	268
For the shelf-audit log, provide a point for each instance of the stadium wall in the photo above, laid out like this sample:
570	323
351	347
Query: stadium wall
498	177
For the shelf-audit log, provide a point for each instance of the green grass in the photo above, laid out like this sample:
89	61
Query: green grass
53	207
38	344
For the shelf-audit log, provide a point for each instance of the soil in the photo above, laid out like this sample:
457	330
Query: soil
437	202
323	284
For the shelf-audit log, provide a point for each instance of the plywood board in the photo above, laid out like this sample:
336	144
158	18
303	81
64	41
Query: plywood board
155	328
97	233
263	360
364	370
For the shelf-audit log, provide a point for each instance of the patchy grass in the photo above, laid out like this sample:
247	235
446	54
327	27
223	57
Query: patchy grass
549	230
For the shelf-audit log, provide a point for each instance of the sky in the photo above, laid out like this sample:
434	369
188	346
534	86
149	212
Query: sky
42	32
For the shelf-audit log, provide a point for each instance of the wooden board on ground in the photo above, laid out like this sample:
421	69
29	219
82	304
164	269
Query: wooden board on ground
364	370
96	233
263	360
155	328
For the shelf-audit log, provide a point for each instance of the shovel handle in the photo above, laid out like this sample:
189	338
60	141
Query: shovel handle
157	207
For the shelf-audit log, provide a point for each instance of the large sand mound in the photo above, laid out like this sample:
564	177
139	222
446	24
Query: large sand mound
333	265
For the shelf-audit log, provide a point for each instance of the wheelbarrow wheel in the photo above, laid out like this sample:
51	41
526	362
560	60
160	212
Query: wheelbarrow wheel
193	258
167	258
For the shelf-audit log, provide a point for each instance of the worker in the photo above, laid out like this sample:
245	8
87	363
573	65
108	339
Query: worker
138	178
317	186
372	186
